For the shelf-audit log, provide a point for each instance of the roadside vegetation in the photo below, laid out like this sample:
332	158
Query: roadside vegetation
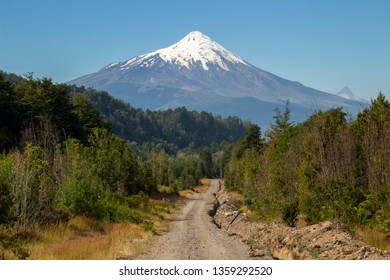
67	181
329	167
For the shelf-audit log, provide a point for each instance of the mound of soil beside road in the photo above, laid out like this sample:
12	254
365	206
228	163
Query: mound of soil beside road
275	240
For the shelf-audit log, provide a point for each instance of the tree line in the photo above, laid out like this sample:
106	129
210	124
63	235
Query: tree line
171	130
328	167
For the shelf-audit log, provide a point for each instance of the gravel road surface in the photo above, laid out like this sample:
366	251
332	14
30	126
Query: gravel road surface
194	236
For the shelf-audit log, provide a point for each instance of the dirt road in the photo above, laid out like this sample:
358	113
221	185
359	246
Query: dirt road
193	234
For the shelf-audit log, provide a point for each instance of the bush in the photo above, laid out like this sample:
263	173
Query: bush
137	200
290	213
85	196
11	244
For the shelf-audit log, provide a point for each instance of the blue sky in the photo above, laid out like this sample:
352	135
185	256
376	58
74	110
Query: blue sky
324	44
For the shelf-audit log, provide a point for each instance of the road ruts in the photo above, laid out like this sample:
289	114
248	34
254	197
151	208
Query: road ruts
193	235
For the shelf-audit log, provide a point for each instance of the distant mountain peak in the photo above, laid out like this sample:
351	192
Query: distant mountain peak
347	93
195	48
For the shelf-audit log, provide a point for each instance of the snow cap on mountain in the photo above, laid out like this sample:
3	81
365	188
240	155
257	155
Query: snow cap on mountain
192	49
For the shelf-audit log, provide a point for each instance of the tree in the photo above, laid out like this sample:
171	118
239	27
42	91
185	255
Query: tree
374	125
88	117
206	165
252	140
9	116
280	134
113	162
282	123
32	189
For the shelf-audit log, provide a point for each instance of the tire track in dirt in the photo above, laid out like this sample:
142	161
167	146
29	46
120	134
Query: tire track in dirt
194	235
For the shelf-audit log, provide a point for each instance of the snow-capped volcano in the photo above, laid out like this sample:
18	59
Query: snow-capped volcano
200	74
192	49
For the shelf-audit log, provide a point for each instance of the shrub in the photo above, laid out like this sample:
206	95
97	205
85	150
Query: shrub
10	244
290	213
137	200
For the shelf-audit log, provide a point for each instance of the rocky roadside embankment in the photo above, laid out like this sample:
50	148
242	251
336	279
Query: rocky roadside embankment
275	240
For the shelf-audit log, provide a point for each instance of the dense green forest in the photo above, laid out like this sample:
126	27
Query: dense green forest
60	157
329	167
172	130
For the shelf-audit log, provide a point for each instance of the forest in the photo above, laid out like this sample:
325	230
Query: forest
61	158
330	167
172	130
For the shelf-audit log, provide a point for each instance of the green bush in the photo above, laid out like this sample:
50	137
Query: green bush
137	200
147	225
290	213
311	209
85	196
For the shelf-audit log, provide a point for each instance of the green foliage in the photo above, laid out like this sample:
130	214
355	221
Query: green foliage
113	162
26	102
147	225
375	210
98	176
9	115
89	118
252	140
290	213
11	243
5	190
366	209
83	194
137	200
206	165
171	130
373	129
282	122
331	168
34	191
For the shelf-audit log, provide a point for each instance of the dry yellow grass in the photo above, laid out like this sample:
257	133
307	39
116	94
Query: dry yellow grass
199	189
87	239
84	238
237	196
205	181
374	237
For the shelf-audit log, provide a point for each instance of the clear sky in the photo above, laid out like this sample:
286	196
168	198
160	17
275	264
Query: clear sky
324	44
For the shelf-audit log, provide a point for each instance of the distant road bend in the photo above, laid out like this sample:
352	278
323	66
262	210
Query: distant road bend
193	234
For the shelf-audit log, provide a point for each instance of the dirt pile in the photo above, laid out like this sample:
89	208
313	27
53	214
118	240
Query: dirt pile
275	240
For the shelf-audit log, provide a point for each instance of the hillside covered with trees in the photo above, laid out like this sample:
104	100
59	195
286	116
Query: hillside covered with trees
329	167
172	130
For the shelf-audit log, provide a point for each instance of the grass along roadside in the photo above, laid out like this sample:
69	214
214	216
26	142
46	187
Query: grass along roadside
373	237
83	238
